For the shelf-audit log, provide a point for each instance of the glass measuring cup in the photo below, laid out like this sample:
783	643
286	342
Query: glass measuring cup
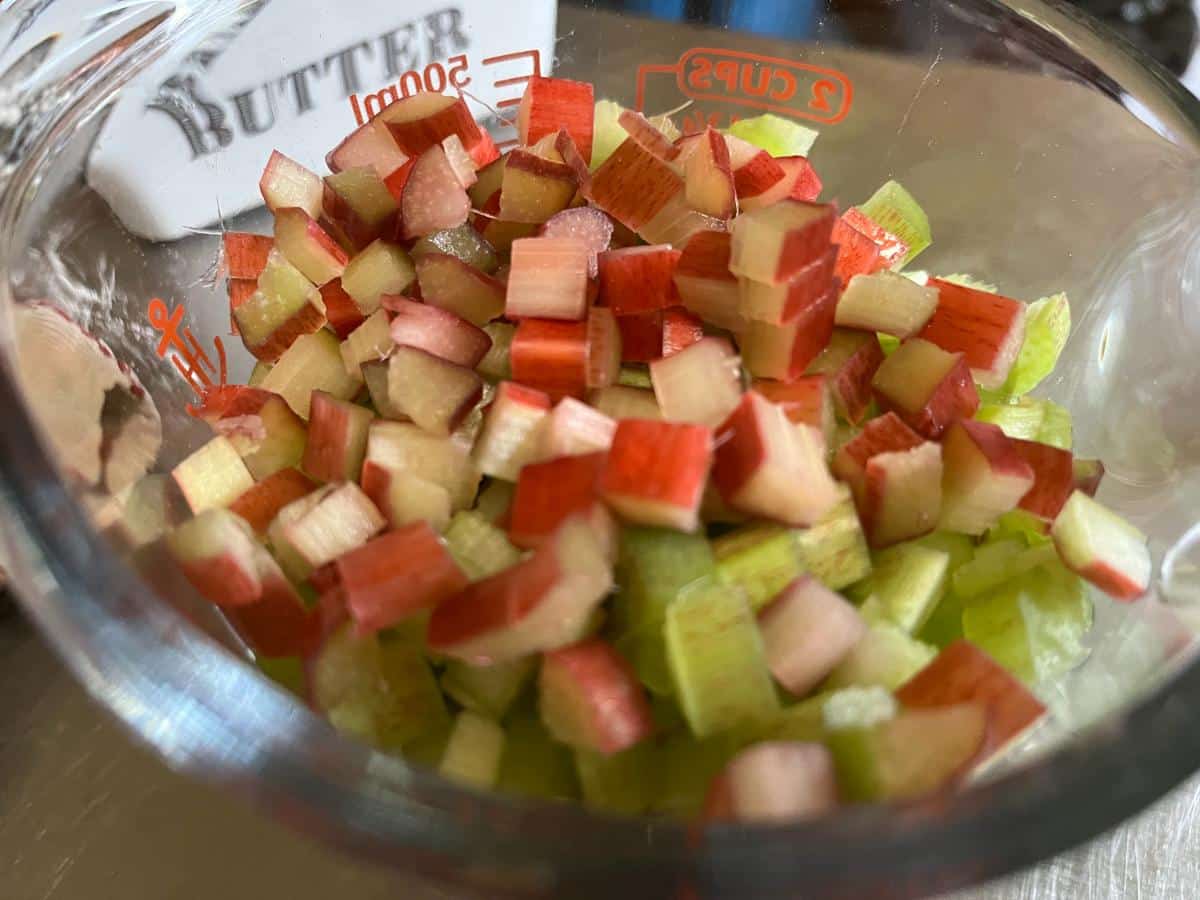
1048	159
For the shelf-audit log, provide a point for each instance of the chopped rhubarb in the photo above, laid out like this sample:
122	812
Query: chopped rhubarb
633	185
396	576
287	183
709	177
433	392
425	119
784	352
437	331
574	429
434	198
1053	478
850	361
638	279
604	347
926	386
985	476
774	244
1101	547
779	304
701	384
548	279
775	783
510	436
551	356
886	302
246	254
883	434
766	467
807	630
535	189
358	208
451	284
308	246
585	224
657	471
370	145
549	493
706	285
680	330
805	401
590	698
551	104
260	504
986	328
337	439
341	311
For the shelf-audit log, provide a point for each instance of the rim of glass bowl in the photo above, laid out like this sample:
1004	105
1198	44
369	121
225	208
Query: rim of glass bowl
176	690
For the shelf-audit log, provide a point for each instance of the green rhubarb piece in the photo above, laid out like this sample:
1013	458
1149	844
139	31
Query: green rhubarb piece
646	650
1021	420
776	135
912	754
636	377
479	547
382	691
969	281
1033	625
998	561
687	768
896	210
496	364
907	583
464	243
1020	524
761	560
886	656
1056	427
287	672
607	133
534	764
944	625
888	343
717	661
834	551
487	690
1047	327
654	565
626	782
472	754
258	373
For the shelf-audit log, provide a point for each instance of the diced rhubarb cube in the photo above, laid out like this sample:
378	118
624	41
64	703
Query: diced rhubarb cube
850	361
549	493
484	151
435	393
308	246
621	402
434	198
808	184
641	336
604	347
886	302
246	254
328	524
638	279
510	435
396	576
551	356
633	185
425	119
393	446
805	401
590	698
358	208
680	330
709	179
985	476
548	279
784	352
460	161
962	673
535	189
582	223
807	630
883	434
285	306
437	331
1054	478
263	429
799	182
551	104
705	284
313	363
755	171
775	782
1102	548
574	429
260	504
701	384
893	251
453	285
926	386
766	467
382	269
213	476
543	603
657	471
902	494
987	329
219	554
341	311
279	625
337	438
286	183
371	342
370	145
857	253
777	304
775	243
638	127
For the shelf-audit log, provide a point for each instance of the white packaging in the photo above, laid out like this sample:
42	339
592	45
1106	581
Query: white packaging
187	146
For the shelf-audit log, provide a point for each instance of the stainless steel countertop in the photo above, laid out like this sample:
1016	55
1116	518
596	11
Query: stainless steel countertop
86	815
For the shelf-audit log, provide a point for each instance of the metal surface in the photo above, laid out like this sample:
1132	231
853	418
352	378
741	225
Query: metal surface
86	815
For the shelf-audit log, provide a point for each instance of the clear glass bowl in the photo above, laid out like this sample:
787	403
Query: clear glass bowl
1049	156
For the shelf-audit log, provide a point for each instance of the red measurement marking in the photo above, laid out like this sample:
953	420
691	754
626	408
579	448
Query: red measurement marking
767	83
535	63
193	363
